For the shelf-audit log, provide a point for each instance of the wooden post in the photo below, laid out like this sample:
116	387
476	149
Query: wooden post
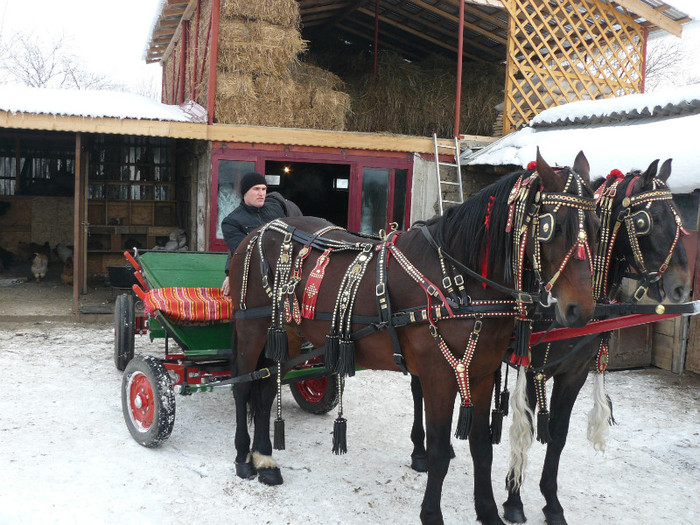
79	225
460	46
645	36
213	58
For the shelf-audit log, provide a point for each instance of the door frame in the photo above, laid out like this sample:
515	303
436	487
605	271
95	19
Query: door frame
357	160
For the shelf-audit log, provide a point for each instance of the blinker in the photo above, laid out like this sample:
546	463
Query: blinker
545	231
642	222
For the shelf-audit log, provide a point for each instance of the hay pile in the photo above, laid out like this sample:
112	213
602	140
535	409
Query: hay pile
416	98
259	79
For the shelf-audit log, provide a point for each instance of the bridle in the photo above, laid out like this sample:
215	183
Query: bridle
638	223
543	225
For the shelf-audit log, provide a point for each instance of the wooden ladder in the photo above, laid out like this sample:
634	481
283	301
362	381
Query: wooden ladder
442	180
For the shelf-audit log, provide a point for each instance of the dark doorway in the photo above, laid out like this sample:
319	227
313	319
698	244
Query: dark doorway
320	190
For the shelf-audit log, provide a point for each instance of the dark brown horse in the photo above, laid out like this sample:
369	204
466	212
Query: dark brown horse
542	218
648	235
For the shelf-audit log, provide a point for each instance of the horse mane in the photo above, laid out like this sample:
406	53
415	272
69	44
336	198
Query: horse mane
462	229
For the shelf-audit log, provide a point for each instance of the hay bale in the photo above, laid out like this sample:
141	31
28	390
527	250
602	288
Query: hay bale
283	13
308	74
258	47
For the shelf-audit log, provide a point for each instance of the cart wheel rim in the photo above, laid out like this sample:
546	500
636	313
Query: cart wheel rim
141	402
313	390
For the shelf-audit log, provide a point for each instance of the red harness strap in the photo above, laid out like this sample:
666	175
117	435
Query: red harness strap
313	285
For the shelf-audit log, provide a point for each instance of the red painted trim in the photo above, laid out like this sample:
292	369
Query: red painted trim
595	327
645	32
184	36
390	198
460	46
206	51
193	80
213	57
173	86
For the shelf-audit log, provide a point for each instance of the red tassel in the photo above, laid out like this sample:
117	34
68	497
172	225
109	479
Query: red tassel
532	165
615	174
581	252
520	360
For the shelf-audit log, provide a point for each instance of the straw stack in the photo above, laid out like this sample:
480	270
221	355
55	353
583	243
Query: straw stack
259	79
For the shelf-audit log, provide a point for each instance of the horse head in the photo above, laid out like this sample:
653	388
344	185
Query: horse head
563	239
650	232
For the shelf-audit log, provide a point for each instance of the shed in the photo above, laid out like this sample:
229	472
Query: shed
624	133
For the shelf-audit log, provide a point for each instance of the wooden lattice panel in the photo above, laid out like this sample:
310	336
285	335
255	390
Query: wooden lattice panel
560	51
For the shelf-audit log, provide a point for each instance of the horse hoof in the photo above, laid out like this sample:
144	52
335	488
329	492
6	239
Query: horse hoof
514	514
419	463
270	476
554	518
245	470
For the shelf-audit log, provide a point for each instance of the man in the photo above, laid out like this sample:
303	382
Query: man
257	209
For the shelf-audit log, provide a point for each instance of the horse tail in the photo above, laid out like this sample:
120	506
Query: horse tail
521	432
600	417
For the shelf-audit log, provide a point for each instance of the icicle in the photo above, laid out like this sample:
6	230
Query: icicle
464	422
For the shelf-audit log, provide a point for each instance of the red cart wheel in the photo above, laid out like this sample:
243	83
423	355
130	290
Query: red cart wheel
316	396
148	401
123	330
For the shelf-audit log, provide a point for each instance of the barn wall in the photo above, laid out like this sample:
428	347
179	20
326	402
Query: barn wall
36	219
424	193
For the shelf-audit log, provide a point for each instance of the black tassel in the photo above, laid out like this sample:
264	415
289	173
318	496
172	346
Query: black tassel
332	350
521	356
340	445
543	427
279	434
503	403
496	426
346	358
270	343
464	422
281	345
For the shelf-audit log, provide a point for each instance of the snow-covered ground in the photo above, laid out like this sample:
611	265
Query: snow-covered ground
66	455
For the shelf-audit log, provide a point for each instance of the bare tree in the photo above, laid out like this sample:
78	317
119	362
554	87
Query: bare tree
47	63
667	64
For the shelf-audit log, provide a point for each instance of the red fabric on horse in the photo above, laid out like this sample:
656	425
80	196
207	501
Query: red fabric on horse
189	304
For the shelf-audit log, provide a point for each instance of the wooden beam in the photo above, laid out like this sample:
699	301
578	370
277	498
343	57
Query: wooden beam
225	132
649	13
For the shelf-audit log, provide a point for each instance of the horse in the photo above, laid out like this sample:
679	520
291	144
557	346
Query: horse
544	218
641	230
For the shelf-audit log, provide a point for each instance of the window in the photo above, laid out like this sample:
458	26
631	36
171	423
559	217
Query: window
131	168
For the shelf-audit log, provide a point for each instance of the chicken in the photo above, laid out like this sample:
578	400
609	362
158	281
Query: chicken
40	265
64	253
67	273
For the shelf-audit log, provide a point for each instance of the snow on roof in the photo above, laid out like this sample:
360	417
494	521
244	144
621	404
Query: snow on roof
627	138
87	103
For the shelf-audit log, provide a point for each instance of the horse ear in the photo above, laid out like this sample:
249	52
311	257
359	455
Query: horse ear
650	173
582	167
550	180
665	170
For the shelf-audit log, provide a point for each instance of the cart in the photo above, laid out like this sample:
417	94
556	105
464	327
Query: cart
197	353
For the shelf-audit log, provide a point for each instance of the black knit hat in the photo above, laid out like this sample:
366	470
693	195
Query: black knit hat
251	179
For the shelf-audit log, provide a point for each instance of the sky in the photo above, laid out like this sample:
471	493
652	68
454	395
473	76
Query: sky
109	37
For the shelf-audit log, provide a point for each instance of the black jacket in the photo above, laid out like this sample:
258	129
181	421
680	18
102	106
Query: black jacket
244	219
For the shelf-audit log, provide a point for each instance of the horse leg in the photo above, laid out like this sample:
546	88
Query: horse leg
438	417
242	361
263	395
513	507
564	393
419	457
482	451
